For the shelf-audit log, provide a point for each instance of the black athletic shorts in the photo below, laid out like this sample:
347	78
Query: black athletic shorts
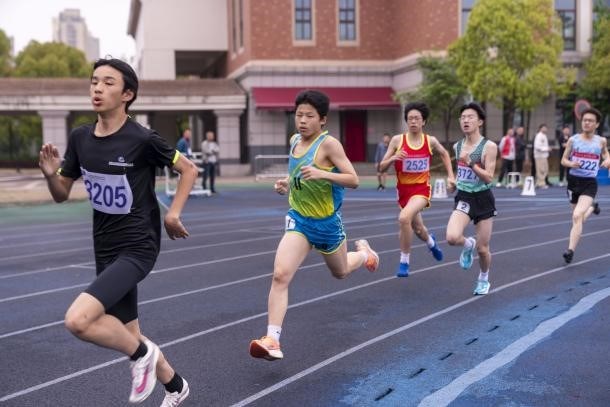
477	205
116	285
578	186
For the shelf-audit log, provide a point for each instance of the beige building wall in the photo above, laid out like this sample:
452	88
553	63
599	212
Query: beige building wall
162	28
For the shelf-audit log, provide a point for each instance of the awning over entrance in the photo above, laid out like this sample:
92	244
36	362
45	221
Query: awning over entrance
340	98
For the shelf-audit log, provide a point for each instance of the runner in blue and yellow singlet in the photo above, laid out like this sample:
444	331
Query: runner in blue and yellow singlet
582	157
318	172
474	201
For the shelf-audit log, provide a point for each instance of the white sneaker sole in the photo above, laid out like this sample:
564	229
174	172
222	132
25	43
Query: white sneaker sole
151	380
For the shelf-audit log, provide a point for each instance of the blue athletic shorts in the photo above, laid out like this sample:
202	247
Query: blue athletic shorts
325	234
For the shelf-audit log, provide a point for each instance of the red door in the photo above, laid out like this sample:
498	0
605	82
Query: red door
353	134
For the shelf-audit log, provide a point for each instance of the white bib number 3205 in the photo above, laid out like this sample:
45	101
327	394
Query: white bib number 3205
108	193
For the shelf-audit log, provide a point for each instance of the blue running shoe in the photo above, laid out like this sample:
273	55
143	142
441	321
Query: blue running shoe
466	257
403	270
436	251
482	287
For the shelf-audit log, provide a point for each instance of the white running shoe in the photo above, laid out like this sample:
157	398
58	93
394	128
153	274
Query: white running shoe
144	374
176	398
481	288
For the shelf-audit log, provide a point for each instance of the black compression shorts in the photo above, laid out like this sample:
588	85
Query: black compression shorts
116	285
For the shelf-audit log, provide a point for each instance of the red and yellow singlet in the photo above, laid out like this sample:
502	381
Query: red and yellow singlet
413	172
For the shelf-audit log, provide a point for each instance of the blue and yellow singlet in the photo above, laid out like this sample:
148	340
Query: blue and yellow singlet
313	198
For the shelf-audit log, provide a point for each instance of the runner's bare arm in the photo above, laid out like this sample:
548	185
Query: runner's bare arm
490	152
49	162
445	158
281	186
332	154
565	159
390	155
188	175
605	155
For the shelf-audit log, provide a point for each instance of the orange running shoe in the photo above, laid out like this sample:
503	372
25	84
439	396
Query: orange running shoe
372	261
266	348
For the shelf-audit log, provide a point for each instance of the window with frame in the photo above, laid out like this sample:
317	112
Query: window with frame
303	20
566	9
467	6
347	20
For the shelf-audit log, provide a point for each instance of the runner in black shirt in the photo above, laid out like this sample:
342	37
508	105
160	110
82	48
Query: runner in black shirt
116	157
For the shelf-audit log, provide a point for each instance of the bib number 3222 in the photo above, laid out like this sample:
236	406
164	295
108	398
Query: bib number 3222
108	193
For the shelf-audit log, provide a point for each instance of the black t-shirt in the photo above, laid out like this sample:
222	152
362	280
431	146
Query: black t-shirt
119	174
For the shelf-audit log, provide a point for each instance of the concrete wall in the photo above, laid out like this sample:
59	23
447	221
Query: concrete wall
186	25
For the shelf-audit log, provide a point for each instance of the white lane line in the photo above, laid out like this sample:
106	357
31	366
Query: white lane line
302	303
245	256
30	329
391	220
450	392
87	265
52	252
34	294
249	255
396	331
175	250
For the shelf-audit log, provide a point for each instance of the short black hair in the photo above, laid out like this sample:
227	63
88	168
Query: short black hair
593	111
317	99
420	107
130	79
541	126
476	107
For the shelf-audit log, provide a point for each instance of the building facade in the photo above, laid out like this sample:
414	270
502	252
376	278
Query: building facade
70	28
361	52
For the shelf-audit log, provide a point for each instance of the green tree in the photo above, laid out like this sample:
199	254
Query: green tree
510	54
441	90
51	59
5	54
595	86
21	136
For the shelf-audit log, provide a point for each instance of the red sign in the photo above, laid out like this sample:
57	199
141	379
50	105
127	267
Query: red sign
580	106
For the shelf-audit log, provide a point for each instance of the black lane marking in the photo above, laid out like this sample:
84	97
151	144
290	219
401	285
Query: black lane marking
471	341
515	317
532	307
551	298
385	393
585	283
418	372
494	328
445	356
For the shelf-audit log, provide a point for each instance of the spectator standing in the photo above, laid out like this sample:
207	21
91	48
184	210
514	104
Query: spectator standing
184	144
541	156
382	148
520	146
209	153
508	153
564	136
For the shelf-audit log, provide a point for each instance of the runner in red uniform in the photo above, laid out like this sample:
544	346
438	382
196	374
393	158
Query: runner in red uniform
411	154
